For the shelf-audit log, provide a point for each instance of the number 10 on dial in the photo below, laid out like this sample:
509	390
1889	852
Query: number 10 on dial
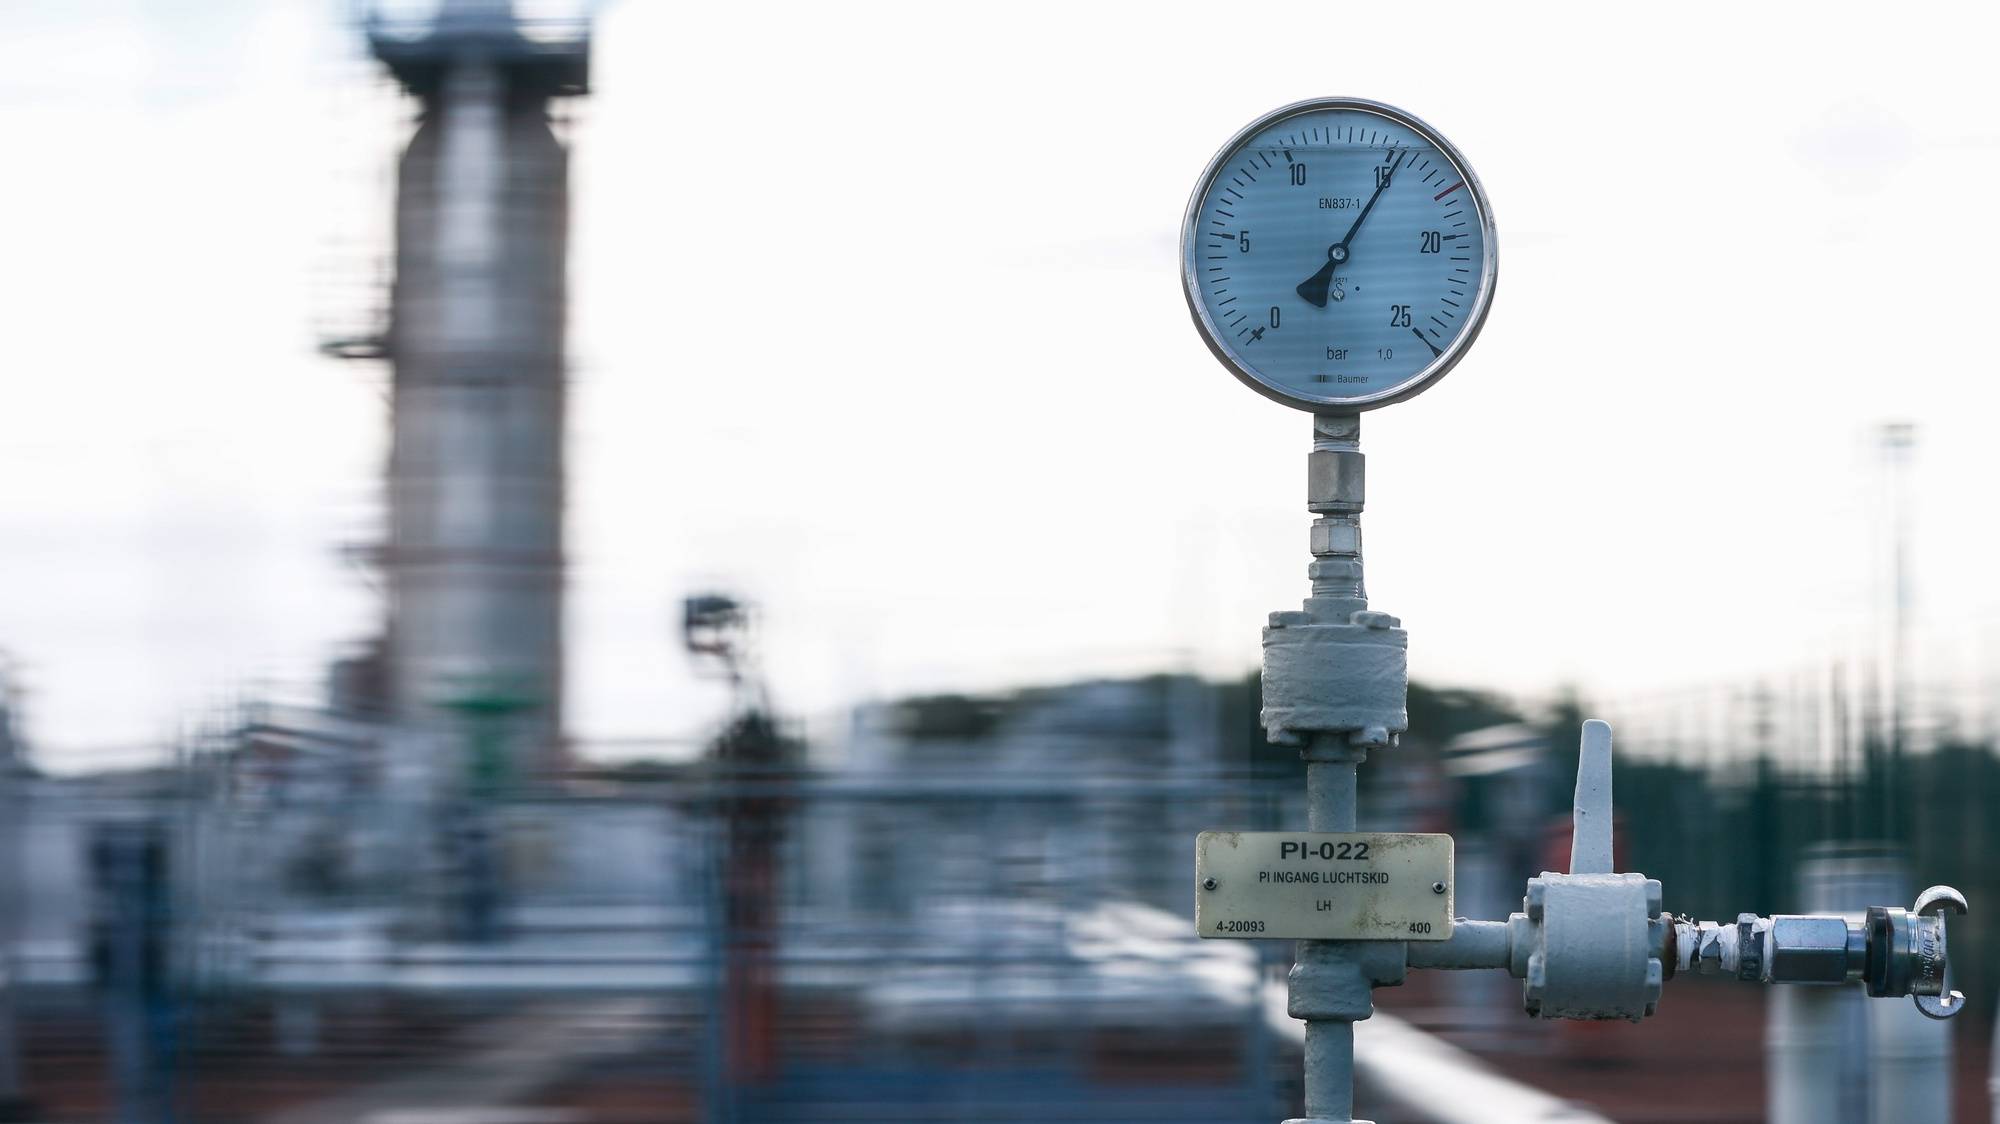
1338	255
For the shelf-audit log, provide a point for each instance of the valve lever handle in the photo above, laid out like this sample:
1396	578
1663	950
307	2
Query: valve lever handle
1590	838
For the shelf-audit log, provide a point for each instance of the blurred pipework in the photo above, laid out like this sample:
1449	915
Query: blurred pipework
420	899
953	904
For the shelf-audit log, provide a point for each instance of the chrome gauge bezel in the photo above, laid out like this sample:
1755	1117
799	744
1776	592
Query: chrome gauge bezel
1337	403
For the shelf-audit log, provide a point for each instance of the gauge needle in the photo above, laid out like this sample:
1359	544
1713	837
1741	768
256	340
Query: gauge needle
1314	288
1427	343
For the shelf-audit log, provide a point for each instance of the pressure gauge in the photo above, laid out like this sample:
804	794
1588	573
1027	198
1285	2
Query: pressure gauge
1338	255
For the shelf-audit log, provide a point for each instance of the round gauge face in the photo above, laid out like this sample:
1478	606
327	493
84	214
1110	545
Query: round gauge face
1338	255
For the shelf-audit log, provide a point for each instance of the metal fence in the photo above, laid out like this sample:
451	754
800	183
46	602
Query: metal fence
693	943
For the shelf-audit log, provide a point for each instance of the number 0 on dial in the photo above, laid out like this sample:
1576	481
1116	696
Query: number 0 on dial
1338	255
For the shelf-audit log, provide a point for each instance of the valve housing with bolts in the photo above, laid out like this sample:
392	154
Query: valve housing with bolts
1592	944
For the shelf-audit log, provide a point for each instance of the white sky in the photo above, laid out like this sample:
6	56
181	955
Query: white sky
877	321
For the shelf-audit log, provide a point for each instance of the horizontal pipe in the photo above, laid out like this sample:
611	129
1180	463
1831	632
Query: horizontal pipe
1473	944
1422	1073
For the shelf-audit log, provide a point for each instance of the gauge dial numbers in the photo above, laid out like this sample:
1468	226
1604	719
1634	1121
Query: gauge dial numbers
1338	255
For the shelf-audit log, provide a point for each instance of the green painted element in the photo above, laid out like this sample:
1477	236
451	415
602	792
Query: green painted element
485	705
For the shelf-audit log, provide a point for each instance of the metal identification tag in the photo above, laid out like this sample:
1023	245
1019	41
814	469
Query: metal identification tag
1323	885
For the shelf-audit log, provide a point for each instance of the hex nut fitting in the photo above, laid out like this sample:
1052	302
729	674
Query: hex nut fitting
1336	479
1808	949
1330	537
1333	569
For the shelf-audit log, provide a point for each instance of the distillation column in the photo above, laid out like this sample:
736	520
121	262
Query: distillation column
475	553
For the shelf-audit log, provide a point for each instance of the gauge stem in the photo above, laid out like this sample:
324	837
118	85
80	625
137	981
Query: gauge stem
1336	491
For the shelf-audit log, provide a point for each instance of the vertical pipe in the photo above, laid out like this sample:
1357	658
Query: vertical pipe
1330	794
13	905
1331	787
1803	1055
710	831
1336	495
14	901
1909	1065
1993	1075
1329	1071
1897	441
1834	1056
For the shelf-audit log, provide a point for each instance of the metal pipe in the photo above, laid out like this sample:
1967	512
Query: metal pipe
1330	793
1805	1036
1993	1076
1473	944
1909	1065
1332	782
1329	1071
1423	1074
1337	498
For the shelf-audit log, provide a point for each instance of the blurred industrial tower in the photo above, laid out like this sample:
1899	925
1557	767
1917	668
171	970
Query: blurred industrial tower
474	558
